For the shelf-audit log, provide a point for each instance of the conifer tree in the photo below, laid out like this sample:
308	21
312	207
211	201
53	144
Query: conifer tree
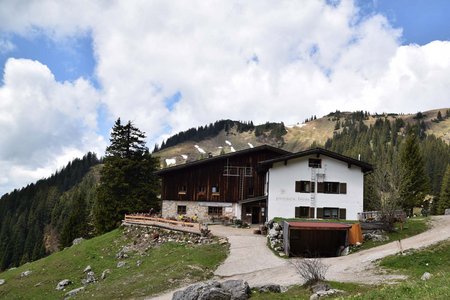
127	183
444	198
414	184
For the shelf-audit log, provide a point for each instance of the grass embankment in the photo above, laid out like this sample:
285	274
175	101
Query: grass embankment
434	259
411	227
162	268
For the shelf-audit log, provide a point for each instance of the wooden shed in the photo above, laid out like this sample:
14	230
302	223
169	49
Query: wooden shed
315	239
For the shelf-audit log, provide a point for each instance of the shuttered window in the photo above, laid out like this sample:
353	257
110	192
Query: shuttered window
320	212
303	186
342	188
342	213
328	187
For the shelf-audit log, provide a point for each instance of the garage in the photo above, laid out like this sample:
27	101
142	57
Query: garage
315	239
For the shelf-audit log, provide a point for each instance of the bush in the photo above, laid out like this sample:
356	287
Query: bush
312	270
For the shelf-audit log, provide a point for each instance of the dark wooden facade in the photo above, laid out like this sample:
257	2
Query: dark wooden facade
231	177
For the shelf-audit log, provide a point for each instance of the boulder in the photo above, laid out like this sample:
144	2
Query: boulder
214	293
87	269
105	273
273	288
447	211
121	264
62	284
193	292
277	226
73	292
239	289
77	241
26	273
2	281
426	276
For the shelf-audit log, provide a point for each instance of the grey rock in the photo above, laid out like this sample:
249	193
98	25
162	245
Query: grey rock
77	241
138	263
447	211
62	284
320	286
26	273
214	293
321	294
90	278
239	289
73	292
87	269
193	292
2	281
105	273
273	288
426	276
314	297
121	264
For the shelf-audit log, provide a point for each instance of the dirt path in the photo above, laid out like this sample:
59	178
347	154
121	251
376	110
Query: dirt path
252	261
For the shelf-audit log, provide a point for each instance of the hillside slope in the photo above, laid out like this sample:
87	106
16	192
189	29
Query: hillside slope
298	137
151	268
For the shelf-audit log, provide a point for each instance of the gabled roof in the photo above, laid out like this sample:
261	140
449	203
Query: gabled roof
223	156
365	167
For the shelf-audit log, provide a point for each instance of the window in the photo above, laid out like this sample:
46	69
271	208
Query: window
328	187
330	213
304	186
215	188
302	212
214	211
181	209
182	190
315	163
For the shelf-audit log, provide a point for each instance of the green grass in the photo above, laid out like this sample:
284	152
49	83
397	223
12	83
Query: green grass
163	268
411	227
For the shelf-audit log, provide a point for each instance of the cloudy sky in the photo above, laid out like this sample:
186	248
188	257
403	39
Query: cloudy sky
70	68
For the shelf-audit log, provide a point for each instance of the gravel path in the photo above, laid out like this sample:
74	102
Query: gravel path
251	260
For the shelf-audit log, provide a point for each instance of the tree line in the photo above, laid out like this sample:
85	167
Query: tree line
409	165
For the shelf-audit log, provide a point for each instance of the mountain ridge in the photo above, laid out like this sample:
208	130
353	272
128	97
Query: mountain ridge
300	136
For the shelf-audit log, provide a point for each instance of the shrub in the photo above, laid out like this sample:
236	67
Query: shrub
312	270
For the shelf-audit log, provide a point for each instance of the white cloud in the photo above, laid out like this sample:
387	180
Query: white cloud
251	60
44	123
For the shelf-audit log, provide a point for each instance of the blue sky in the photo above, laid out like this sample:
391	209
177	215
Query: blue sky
422	21
70	69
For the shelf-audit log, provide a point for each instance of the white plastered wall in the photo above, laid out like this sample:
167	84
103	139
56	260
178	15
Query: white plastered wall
283	199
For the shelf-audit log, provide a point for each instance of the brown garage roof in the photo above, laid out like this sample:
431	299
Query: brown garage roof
319	226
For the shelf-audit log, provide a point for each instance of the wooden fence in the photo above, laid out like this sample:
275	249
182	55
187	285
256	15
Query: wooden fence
138	219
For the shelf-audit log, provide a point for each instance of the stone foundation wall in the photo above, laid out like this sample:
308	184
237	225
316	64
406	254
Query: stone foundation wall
170	208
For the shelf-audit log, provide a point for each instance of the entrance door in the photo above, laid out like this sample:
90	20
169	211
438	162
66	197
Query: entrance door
256	212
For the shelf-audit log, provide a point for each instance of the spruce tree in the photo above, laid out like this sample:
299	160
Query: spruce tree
127	183
414	184
444	198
